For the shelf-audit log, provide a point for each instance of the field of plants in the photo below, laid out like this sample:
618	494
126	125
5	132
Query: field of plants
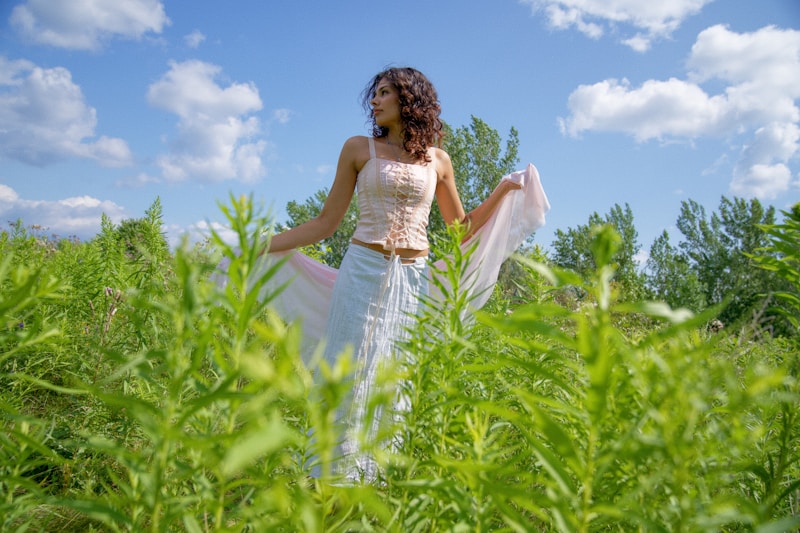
139	395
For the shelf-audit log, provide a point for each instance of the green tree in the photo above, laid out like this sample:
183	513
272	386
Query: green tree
718	249
572	249
478	162
671	279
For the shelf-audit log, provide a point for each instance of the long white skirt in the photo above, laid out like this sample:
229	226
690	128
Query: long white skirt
375	302
367	304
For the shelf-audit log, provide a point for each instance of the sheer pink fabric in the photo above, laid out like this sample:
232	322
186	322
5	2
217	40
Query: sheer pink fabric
520	214
307	294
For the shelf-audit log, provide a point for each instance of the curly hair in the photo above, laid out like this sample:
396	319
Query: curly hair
419	109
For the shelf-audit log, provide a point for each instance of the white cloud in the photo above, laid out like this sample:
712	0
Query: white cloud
87	24
44	118
650	19
638	42
761	181
657	109
762	170
79	216
760	72
194	39
7	196
216	129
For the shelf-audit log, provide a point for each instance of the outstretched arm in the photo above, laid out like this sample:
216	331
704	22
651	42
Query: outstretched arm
450	203
325	224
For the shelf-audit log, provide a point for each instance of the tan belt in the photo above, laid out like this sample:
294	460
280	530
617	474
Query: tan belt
406	255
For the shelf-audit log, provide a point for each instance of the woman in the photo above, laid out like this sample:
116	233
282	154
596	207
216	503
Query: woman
378	290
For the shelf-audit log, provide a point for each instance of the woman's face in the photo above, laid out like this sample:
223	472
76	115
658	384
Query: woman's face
386	104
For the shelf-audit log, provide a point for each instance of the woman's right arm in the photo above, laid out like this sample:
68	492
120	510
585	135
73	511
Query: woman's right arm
336	204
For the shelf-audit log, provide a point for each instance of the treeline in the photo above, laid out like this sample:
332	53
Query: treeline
715	265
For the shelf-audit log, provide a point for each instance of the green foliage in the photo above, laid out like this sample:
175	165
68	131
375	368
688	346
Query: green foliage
517	283
183	405
671	279
717	248
781	256
203	444
26	462
552	420
572	250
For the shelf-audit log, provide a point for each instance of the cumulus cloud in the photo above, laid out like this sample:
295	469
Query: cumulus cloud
216	129
760	76
79	216
44	118
762	171
87	24
593	18
657	109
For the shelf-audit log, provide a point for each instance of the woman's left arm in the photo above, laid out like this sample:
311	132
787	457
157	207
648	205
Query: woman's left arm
450	203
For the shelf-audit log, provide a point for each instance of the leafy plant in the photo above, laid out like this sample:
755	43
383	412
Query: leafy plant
183	404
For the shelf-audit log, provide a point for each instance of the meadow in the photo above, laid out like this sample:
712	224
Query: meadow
137	394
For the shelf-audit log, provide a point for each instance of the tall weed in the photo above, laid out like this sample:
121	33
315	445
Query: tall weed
196	413
27	463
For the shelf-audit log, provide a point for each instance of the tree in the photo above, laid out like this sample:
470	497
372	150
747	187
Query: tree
572	249
478	164
670	278
719	250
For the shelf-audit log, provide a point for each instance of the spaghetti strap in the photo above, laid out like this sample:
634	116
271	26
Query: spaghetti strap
371	148
435	174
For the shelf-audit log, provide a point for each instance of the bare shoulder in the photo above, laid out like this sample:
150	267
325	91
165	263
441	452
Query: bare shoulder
356	151
440	154
444	166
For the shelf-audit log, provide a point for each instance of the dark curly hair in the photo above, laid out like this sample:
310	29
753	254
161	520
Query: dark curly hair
419	109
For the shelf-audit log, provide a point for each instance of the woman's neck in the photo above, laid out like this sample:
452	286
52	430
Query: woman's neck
395	137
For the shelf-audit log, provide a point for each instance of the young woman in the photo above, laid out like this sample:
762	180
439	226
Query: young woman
374	296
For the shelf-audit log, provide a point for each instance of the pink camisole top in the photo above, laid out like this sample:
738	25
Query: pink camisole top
394	201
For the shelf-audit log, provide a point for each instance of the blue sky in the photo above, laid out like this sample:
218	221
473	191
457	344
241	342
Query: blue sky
106	105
